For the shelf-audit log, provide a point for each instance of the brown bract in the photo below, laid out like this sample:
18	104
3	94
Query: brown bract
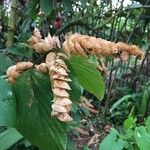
41	67
13	72
84	45
43	45
59	78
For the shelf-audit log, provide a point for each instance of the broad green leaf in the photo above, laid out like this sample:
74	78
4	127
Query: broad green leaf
113	142
22	50
147	123
75	92
46	6
7	104
5	62
8	138
34	96
142	138
88	76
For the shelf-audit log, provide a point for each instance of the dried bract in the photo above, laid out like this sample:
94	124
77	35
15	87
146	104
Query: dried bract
43	45
84	45
13	72
59	78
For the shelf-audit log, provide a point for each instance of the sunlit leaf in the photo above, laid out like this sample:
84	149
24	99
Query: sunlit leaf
142	138
113	142
9	137
88	76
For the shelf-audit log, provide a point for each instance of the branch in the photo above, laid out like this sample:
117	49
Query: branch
12	23
72	23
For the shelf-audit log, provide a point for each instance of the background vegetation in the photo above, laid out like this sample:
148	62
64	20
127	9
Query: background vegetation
122	121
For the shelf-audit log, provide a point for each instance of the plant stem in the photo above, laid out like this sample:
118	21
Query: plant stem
12	23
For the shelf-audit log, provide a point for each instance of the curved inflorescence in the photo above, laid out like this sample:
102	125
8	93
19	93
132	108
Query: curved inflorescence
84	45
43	45
13	72
59	79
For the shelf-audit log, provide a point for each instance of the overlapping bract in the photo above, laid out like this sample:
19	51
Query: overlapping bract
84	45
13	72
59	78
43	45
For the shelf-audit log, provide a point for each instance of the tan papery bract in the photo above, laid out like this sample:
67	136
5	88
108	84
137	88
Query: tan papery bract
65	117
13	72
59	79
43	45
84	45
61	84
41	67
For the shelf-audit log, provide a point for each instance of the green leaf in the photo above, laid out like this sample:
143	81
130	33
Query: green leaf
129	123
7	105
9	137
70	144
75	92
22	50
88	76
68	5
142	138
144	104
124	98
34	96
31	10
147	123
83	3
26	25
113	142
46	6
5	62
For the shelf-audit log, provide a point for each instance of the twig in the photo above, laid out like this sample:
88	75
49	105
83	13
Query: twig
72	23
